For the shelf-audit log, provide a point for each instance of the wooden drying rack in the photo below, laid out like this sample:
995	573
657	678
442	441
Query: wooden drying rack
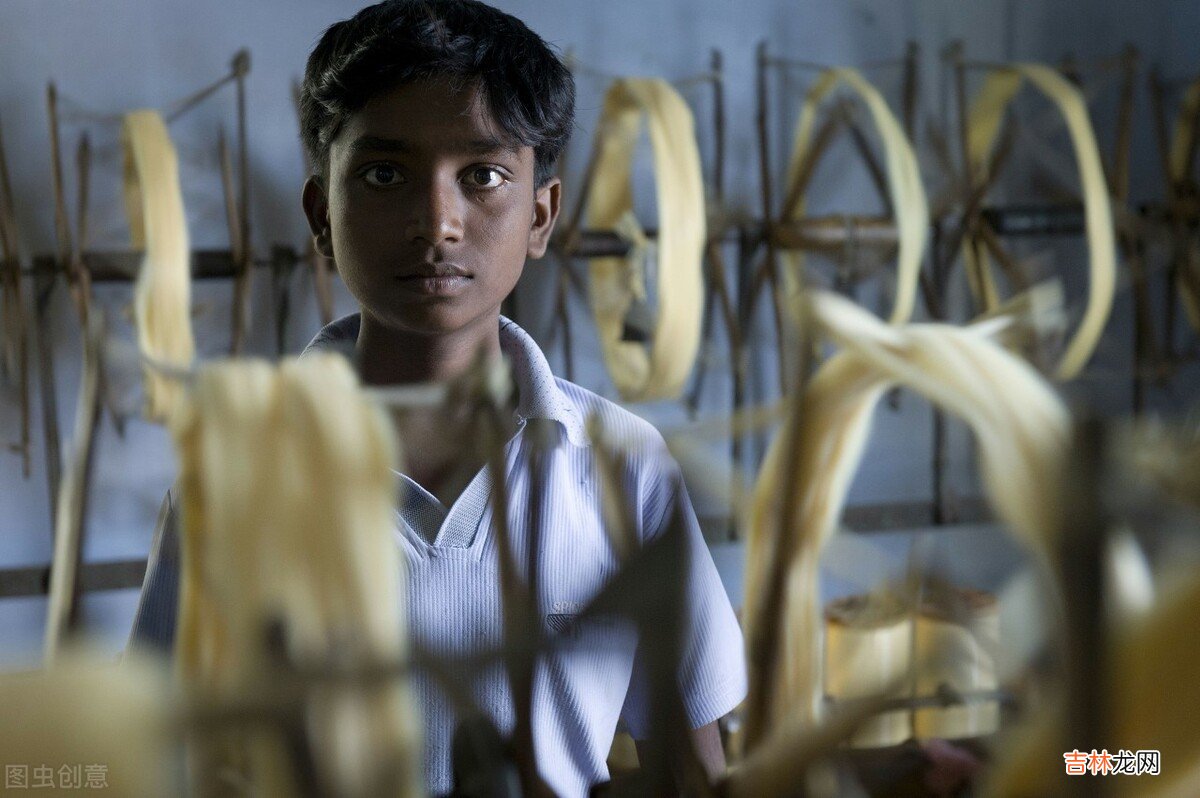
758	243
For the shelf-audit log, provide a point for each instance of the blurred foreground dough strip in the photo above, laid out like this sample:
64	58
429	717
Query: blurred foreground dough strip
93	723
1020	423
985	117
1150	701
904	184
288	493
162	294
659	371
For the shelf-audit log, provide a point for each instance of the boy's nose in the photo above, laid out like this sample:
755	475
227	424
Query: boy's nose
437	216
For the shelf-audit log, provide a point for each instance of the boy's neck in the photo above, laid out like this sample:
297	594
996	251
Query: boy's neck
387	356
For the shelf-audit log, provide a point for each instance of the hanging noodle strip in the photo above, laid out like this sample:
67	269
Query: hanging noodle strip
162	293
288	494
905	189
659	370
1019	422
984	121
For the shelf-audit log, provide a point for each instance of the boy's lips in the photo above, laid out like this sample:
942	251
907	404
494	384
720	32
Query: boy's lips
439	270
436	279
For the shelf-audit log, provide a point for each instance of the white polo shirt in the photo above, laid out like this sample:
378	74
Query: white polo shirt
595	676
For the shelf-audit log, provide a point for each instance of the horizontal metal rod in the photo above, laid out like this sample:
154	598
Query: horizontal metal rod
122	266
834	232
1032	220
34	580
824	233
607	244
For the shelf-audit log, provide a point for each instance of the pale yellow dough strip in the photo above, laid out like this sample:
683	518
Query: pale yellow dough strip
1020	424
162	293
905	189
88	725
659	372
1151	697
287	486
985	117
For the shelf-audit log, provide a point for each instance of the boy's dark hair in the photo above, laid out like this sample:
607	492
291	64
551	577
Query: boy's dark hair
529	91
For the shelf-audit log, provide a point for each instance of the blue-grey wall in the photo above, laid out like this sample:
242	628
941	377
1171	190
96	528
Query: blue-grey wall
108	56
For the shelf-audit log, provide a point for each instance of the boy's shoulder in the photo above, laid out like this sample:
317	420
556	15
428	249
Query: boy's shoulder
338	336
622	428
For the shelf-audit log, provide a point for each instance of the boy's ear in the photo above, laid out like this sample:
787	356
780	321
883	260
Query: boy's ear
546	203
316	210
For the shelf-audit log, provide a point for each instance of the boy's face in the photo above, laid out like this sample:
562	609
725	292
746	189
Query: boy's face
429	214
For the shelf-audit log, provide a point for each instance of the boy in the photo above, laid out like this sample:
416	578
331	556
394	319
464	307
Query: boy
435	126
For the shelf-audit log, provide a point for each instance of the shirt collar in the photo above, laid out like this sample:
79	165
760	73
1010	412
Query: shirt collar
538	393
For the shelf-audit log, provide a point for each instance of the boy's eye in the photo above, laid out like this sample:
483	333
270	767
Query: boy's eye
485	177
382	175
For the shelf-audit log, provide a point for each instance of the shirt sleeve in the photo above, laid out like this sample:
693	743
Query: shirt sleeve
154	621
712	671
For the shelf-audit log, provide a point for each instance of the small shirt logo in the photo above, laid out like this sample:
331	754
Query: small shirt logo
563	624
563	619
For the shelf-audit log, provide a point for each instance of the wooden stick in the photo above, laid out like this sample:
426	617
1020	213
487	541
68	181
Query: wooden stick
706	336
282	268
63	613
1158	109
191	101
718	68
1017	275
80	276
912	62
83	163
737	358
1170	288
241	287
743	366
62	227
43	294
821	141
771	265
570	236
80	288
43	291
1145	347
1119	178
236	243
964	136
15	334
874	168
1145	343
716	298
